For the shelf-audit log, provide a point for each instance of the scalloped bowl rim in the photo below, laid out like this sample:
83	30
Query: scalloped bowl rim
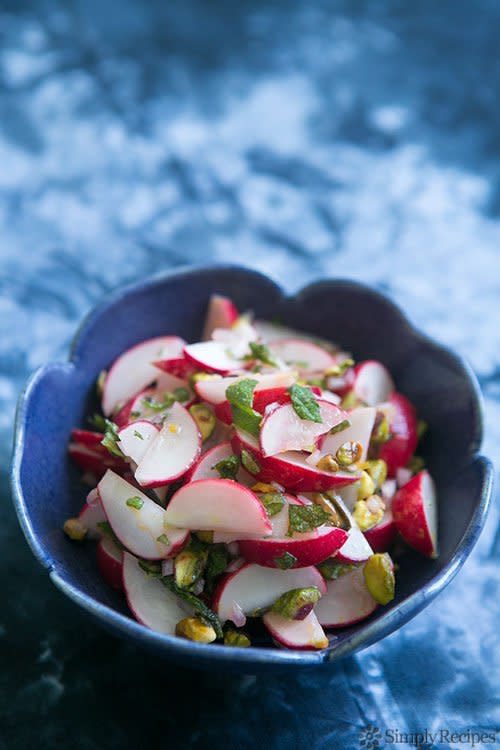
372	631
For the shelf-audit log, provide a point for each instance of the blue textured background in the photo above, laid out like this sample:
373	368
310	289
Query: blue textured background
305	139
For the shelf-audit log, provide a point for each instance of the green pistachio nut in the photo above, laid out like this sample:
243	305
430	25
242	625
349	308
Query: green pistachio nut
369	512
237	639
327	463
74	529
297	603
382	430
195	629
331	569
348	453
366	486
379	577
377	469
204	418
189	566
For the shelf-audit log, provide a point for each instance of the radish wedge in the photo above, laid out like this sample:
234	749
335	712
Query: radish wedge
290	469
253	588
152	604
95	460
415	514
309	551
303	355
372	382
213	356
91	515
179	367
397	451
381	536
110	563
141	528
204	467
218	504
221	313
133	371
172	452
283	430
356	548
299	634
135	439
346	601
362	421
213	391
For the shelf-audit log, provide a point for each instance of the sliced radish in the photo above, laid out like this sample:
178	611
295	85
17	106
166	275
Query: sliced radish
133	371
135	439
221	313
310	551
91	515
152	604
346	601
89	439
303	355
217	504
372	382
300	634
415	514
356	548
204	467
283	430
214	391
253	588
381	536
290	468
96	460
362	421
141	529
110	562
179	367
404	438
213	356
172	452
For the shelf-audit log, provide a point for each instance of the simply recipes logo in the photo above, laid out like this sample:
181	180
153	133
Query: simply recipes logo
373	738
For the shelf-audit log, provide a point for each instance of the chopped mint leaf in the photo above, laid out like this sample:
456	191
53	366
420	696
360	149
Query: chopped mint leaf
218	558
249	462
99	422
135	502
181	395
302	518
204	612
272	502
137	434
163	539
340	427
285	561
262	353
246	419
304	402
241	393
228	467
150	567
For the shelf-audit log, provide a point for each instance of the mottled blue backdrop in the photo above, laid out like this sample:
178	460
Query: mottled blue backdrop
304	139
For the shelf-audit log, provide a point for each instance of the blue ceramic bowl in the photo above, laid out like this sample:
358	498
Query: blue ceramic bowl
47	489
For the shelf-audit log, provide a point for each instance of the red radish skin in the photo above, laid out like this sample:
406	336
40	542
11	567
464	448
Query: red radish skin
218	505
403	425
302	635
90	517
180	367
110	563
95	460
415	514
213	391
346	602
221	313
372	382
290	469
307	551
133	370
381	536
282	429
89	439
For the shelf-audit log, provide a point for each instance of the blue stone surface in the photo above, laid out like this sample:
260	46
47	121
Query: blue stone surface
302	139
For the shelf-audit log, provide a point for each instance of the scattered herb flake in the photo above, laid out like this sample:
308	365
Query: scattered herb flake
241	393
163	539
305	404
218	558
204	612
137	434
181	395
246	419
150	567
285	561
304	518
249	462
272	502
227	468
340	427
135	502
262	353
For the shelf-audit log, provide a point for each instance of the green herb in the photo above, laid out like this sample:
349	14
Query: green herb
246	419
249	462
135	502
416	464
331	569
272	502
340	427
218	558
163	539
204	612
305	404
106	530
135	414
262	353
150	567
227	468
285	561
304	518
339	369
110	430
99	422
181	394
297	603
241	393
137	434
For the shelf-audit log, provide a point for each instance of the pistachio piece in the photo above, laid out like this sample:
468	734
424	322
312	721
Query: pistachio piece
74	529
368	513
205	536
331	569
236	638
381	432
263	487
366	486
379	577
195	629
189	566
339	369
297	603
327	463
204	418
349	453
377	469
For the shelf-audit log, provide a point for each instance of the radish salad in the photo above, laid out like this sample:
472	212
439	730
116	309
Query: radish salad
257	479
